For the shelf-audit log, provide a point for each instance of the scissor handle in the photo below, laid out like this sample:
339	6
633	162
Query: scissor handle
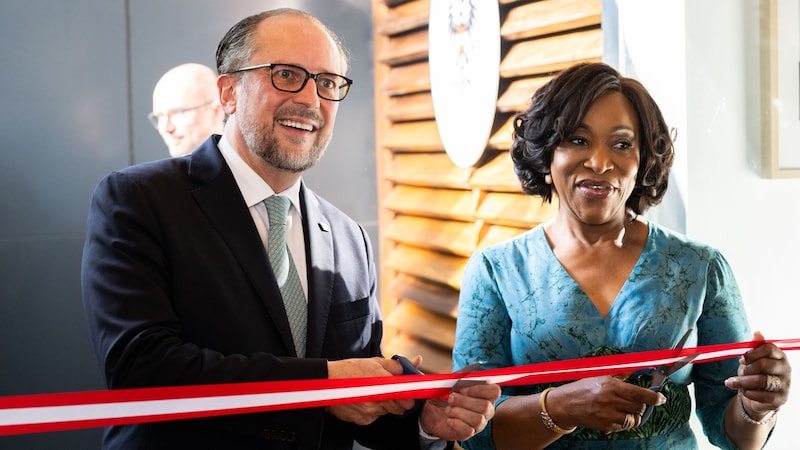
648	410
408	368
646	415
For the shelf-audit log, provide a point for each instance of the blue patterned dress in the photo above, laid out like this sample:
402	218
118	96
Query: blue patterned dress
519	306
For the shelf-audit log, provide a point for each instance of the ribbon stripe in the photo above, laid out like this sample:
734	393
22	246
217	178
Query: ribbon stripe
65	411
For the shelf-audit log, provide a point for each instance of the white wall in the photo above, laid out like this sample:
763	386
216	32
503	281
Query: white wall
752	220
700	61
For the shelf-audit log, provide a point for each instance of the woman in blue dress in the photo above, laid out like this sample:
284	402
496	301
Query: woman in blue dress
599	279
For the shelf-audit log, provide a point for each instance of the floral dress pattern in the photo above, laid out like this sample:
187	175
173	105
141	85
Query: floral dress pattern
519	306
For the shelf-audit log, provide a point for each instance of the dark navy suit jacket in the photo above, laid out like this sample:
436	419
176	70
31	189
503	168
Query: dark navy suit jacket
178	290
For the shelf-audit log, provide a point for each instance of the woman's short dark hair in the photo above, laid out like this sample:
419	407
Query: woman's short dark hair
556	111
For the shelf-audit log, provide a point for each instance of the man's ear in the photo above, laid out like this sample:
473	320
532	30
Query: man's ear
226	84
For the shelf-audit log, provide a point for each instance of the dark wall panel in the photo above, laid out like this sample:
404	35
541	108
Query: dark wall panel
64	118
45	345
64	123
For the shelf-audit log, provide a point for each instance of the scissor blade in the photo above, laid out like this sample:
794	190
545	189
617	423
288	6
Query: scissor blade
680	363
682	342
465	370
661	373
470	368
659	376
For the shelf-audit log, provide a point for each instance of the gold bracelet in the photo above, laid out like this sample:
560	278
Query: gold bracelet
749	419
547	420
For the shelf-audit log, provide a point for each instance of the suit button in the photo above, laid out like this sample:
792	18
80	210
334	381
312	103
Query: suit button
279	435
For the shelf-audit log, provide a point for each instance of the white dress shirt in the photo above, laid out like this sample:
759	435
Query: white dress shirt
255	190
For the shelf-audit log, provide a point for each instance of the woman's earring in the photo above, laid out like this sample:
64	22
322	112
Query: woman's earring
548	179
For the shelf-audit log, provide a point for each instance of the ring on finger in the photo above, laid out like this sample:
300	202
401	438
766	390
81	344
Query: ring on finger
773	383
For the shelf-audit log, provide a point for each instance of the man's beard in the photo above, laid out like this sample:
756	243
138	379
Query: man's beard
264	144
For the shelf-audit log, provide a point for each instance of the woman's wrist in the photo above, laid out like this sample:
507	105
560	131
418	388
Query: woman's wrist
545	416
748	417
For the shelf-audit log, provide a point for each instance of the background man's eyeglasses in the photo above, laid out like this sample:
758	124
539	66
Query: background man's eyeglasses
289	78
174	115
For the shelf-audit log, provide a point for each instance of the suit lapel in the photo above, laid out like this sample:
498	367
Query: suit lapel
320	263
222	203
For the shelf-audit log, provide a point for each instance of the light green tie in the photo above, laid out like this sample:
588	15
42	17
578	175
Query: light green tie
285	272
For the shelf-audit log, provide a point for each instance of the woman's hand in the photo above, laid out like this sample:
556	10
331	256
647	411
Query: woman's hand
607	404
603	404
763	382
763	379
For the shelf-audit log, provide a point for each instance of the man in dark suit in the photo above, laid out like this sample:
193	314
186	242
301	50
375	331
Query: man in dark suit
178	279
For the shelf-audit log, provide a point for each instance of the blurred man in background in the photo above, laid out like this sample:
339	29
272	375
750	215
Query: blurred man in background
186	109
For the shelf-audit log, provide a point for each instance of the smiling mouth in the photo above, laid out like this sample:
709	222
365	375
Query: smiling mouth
297	125
596	189
595	185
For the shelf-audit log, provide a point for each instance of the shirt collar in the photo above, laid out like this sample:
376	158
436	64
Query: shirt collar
254	189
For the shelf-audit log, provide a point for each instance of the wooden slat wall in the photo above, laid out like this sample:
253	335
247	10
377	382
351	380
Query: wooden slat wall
433	215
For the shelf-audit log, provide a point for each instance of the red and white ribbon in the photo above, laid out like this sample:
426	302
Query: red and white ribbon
54	412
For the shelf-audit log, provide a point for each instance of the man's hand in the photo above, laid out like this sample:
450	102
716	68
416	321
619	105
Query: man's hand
465	413
366	412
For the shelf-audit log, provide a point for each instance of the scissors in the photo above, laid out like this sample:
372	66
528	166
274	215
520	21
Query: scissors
662	372
410	369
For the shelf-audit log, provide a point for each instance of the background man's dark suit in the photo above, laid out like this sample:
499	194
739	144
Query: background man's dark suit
178	290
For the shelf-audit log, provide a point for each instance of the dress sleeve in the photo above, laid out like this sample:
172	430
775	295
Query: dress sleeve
482	330
723	320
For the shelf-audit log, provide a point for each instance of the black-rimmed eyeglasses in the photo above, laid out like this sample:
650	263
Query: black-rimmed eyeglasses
174	115
289	78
